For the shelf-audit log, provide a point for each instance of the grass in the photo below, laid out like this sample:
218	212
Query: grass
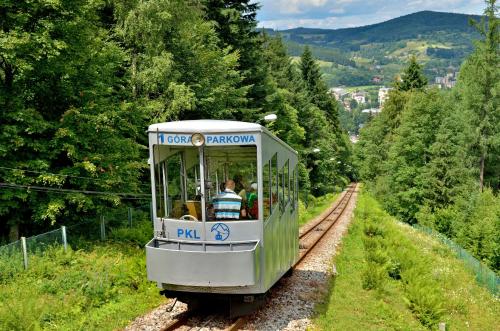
100	288
315	207
391	277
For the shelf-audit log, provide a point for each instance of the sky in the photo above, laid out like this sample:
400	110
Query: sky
334	14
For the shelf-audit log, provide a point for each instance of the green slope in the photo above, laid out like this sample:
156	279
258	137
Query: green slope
391	277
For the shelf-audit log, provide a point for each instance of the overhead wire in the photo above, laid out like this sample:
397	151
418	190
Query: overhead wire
125	195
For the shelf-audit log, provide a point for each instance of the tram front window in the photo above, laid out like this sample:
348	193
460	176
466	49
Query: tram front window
178	180
231	163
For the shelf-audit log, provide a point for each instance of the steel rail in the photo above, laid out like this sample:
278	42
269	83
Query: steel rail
309	227
322	227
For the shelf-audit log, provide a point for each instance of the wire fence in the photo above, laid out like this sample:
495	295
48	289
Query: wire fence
114	224
484	276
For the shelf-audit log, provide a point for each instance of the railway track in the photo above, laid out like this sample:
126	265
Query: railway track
309	235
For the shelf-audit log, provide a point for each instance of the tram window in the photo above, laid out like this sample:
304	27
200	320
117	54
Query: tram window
286	176
266	178
274	181
176	175
238	163
292	189
282	197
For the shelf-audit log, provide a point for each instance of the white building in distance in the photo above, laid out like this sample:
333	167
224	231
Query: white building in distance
372	111
383	94
338	92
360	97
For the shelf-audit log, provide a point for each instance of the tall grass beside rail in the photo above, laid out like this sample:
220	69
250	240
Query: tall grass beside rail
100	287
392	277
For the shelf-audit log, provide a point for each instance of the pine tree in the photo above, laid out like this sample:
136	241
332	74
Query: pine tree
322	127
479	82
409	152
412	78
448	175
236	26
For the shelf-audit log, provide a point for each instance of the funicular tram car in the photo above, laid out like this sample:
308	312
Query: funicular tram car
195	256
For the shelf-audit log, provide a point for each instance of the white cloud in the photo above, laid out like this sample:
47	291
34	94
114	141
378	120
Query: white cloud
298	6
282	14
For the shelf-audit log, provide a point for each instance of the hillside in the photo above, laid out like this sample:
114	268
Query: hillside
392	277
373	54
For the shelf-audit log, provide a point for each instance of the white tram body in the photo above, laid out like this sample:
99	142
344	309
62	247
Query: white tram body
192	252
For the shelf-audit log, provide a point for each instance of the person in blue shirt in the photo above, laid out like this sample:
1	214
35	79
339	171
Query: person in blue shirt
228	204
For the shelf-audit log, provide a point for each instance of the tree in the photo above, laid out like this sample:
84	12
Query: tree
236	26
178	71
322	127
479	83
413	77
60	79
377	136
409	152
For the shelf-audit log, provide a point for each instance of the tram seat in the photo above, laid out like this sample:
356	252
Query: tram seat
179	209
194	208
190	207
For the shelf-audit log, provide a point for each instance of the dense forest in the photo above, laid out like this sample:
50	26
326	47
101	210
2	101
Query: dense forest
81	80
433	157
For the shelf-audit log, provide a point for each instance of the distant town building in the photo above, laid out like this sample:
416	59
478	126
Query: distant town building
383	94
354	138
376	79
338	92
372	111
448	81
360	97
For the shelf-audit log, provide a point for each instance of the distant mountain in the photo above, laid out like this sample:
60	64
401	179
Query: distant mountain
417	25
439	40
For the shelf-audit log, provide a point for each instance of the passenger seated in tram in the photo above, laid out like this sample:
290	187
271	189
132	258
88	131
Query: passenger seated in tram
252	203
228	204
240	186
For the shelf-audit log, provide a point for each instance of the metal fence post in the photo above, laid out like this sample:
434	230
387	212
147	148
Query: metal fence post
130	217
64	239
103	229
25	252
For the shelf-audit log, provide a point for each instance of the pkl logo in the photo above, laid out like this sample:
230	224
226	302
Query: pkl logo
221	231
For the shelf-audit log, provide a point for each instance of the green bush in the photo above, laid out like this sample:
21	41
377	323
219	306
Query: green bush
371	229
424	300
99	288
140	234
374	276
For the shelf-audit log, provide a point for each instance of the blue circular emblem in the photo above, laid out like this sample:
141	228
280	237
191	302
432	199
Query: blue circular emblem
221	231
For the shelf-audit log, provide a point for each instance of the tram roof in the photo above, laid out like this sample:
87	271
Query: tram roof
193	126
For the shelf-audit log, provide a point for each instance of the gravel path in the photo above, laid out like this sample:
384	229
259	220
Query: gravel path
290	303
